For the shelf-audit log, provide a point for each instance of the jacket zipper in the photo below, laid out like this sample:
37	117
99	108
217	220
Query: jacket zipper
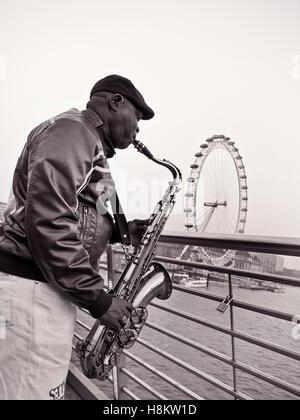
84	221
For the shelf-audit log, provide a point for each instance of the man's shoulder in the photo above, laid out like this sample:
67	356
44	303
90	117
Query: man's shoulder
64	118
72	119
68	122
70	115
69	126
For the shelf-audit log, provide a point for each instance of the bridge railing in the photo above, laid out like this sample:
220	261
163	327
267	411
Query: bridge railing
153	369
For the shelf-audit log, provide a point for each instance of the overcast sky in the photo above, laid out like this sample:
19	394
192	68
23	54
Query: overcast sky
205	66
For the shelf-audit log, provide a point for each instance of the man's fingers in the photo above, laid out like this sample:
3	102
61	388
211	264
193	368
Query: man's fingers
141	222
140	229
117	327
129	306
126	314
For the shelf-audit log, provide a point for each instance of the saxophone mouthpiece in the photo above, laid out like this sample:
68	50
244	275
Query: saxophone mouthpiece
142	149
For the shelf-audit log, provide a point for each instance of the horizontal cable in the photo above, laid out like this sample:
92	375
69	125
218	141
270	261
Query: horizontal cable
236	303
233	271
228	360
216	355
86	327
163	376
77	336
225	359
156	372
125	390
143	384
264	311
130	393
242	336
268	378
204	376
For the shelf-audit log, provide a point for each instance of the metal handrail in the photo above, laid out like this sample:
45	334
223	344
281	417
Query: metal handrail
163	376
280	246
290	281
263	244
236	334
238	304
216	355
193	370
143	384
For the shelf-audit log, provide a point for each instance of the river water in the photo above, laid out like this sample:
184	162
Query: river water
260	326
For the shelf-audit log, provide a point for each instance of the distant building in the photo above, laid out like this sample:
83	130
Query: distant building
279	263
270	263
168	250
290	272
245	260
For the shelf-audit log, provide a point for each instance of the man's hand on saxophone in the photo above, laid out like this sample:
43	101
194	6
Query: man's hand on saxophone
137	228
117	314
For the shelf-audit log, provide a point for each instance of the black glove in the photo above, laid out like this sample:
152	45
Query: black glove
137	228
117	314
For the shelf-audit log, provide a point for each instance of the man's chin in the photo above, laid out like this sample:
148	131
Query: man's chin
124	145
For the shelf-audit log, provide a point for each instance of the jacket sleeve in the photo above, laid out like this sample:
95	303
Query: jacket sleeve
62	158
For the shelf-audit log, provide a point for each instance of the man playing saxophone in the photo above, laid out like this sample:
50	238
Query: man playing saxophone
53	237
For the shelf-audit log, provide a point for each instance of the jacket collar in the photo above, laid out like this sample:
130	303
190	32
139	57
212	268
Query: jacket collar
95	120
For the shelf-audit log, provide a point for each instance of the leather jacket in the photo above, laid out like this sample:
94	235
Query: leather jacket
52	231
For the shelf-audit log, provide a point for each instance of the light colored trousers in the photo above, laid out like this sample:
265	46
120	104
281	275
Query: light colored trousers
36	330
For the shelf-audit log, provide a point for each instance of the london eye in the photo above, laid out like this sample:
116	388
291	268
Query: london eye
216	199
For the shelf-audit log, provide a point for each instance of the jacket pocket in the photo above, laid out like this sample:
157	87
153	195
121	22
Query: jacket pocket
82	214
6	302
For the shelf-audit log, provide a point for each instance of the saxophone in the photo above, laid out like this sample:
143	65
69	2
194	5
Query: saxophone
141	282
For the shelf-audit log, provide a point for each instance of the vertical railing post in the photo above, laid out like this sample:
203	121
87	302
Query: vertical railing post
233	352
119	379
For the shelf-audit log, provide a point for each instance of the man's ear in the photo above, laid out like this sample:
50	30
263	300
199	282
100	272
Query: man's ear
115	101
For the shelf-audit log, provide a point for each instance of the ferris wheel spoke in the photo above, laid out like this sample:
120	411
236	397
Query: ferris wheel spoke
233	221
204	215
207	220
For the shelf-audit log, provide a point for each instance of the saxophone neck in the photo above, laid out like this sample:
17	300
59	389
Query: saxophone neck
163	162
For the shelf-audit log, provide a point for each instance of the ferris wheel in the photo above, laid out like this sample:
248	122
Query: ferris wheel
216	199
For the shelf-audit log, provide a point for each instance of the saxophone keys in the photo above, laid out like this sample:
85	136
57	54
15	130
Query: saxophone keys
139	315
127	337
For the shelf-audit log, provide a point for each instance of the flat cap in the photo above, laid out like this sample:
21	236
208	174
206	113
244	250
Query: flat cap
123	86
